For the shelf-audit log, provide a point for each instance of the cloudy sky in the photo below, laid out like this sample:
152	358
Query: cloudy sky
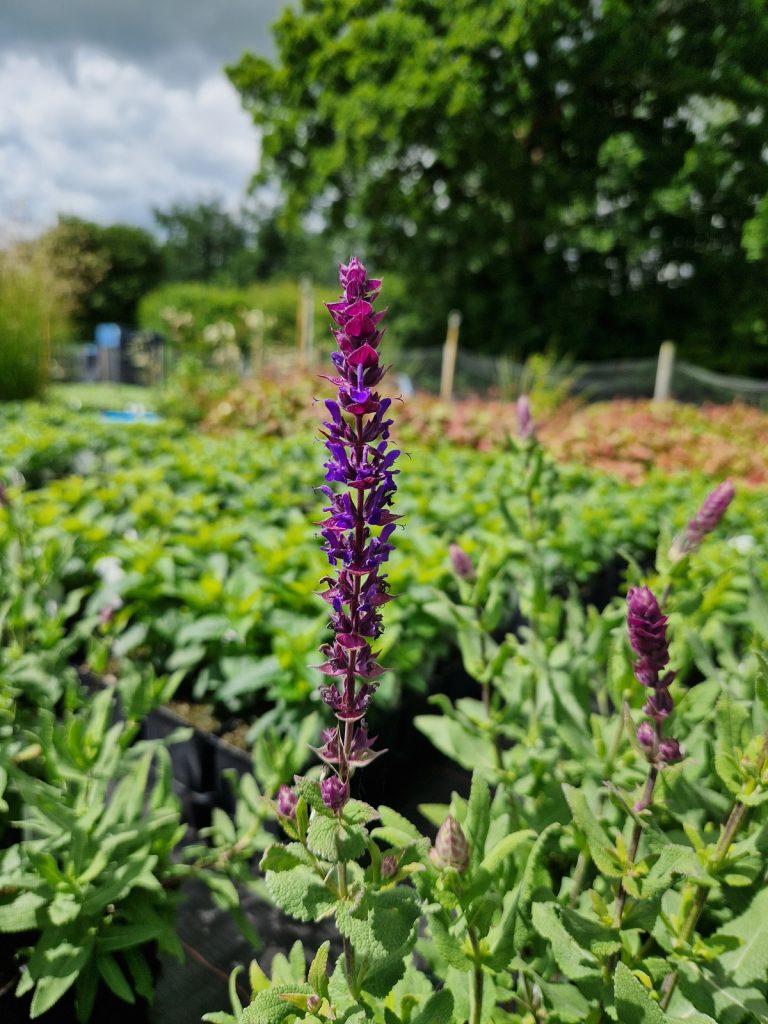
108	107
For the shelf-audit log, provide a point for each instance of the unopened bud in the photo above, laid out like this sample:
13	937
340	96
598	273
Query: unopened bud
646	735
286	802
670	752
526	428
461	563
388	866
451	849
334	792
314	1002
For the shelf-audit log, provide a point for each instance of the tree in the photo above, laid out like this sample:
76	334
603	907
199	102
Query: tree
109	269
201	241
570	173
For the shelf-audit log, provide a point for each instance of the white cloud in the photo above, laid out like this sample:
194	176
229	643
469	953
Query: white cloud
107	140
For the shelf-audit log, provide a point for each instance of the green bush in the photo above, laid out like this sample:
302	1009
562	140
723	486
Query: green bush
183	311
32	319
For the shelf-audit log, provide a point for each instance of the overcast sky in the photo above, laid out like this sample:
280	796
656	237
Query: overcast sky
111	107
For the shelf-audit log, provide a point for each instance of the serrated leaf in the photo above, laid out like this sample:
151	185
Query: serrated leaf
269	1007
575	962
300	893
318	976
748	963
336	838
600	846
503	849
633	1001
20	915
437	1009
478	817
447	945
730	719
382	925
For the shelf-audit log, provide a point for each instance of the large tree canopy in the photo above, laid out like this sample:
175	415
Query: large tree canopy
570	173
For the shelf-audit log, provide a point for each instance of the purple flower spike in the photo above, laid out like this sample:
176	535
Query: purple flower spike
709	515
359	524
526	428
451	849
335	792
647	634
647	629
706	519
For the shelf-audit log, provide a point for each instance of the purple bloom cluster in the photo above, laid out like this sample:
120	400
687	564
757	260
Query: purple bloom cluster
647	629
706	519
358	526
526	427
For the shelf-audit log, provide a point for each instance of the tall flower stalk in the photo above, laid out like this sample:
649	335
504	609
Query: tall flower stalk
358	527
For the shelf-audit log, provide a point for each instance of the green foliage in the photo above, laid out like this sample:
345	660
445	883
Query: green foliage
195	306
533	166
109	267
33	318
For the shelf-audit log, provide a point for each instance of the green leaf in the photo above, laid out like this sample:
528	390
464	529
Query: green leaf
748	963
57	972
633	1002
437	1009
123	936
470	750
503	849
113	975
576	963
21	914
336	838
478	817
382	925
600	846
141	975
730	719
300	893
447	945
269	1007
318	974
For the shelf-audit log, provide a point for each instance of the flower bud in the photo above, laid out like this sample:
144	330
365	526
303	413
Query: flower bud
451	849
286	802
314	1002
388	866
461	563
526	428
669	751
646	735
334	792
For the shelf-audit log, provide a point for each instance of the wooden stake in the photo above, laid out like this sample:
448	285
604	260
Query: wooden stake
663	387
450	350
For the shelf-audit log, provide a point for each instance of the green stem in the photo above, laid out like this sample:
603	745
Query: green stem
731	827
476	984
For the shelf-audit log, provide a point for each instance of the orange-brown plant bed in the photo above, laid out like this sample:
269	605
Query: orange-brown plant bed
627	438
630	437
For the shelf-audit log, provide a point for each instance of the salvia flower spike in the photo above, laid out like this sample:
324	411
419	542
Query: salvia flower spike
647	629
526	427
451	849
707	518
358	526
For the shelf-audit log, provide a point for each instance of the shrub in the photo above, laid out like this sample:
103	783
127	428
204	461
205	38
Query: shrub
32	319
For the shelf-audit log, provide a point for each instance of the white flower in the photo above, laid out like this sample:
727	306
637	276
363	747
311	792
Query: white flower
109	569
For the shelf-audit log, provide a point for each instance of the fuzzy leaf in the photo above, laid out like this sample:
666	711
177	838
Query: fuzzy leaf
633	1002
574	961
748	963
437	1009
21	914
447	945
269	1007
300	893
730	719
318	977
336	838
478	817
383	924
599	844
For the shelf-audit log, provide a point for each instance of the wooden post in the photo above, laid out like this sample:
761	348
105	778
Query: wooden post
304	321
450	350
309	315
664	368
